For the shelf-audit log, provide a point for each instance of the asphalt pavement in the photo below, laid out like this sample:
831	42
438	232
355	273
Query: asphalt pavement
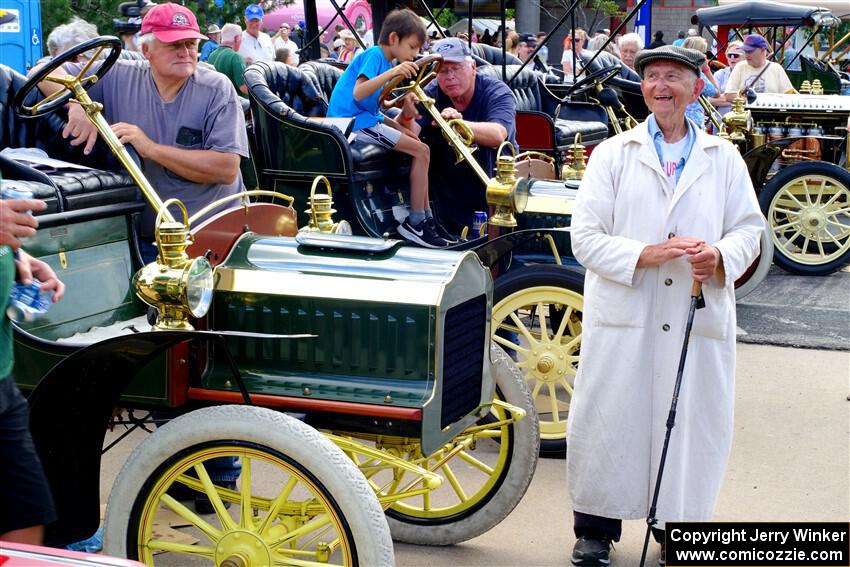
797	311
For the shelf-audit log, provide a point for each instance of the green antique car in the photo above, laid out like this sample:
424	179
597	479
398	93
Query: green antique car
353	379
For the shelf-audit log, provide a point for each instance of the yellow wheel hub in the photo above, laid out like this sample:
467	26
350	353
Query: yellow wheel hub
241	548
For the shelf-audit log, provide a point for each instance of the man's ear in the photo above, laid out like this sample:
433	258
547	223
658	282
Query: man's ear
698	86
146	50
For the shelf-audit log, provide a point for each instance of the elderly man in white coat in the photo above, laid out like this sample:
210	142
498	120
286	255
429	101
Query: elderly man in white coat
659	206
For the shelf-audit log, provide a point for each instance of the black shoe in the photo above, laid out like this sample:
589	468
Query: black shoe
202	501
442	232
422	234
589	552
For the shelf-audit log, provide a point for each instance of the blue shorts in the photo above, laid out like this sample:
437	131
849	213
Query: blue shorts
25	498
380	134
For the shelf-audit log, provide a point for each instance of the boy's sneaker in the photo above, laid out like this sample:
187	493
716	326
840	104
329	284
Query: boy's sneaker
422	233
591	552
442	232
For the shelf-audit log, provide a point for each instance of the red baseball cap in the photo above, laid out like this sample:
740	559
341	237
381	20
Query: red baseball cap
171	22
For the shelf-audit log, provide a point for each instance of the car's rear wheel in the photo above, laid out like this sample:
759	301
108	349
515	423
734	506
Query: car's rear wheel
486	470
807	206
298	498
537	319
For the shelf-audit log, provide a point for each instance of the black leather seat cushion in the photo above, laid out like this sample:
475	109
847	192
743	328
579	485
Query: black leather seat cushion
591	132
104	184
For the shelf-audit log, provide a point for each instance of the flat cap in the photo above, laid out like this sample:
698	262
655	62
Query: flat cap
690	58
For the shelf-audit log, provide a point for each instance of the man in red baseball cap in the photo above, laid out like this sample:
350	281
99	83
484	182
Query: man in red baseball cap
185	121
757	73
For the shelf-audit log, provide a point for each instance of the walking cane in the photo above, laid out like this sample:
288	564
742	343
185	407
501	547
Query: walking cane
696	302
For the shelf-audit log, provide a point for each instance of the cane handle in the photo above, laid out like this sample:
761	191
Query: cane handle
696	289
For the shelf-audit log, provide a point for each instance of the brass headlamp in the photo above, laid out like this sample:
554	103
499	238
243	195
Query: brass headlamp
174	284
321	211
504	193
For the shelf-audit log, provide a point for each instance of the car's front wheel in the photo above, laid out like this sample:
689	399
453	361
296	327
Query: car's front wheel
298	499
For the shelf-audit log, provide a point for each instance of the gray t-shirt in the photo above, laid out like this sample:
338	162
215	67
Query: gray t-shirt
205	115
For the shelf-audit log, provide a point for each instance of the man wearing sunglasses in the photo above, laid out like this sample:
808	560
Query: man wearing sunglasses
757	73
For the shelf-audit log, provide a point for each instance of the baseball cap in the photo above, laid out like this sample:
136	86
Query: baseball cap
690	58
254	12
529	39
212	28
452	49
754	41
171	22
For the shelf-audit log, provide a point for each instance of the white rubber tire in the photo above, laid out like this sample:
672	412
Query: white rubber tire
517	478
280	432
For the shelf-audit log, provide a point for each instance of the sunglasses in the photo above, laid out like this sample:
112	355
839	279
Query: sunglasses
733	55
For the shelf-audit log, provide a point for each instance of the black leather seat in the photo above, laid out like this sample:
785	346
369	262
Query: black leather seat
493	55
282	137
545	122
63	190
325	77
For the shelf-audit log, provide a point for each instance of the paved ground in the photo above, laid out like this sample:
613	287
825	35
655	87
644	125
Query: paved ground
798	311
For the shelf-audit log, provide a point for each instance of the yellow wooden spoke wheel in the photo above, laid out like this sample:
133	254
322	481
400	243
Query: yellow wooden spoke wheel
537	319
298	501
486	471
807	206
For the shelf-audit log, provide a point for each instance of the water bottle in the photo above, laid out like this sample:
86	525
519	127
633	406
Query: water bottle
27	302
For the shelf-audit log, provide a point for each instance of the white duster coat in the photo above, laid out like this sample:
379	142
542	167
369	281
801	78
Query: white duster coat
634	323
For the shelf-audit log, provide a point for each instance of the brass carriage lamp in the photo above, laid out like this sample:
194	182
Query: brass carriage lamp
505	193
321	211
174	284
577	161
738	120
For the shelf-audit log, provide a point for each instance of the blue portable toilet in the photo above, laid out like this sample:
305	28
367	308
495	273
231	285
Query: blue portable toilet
20	33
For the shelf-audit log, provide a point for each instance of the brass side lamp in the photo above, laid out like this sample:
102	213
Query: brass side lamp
576	161
174	284
504	193
321	211
738	120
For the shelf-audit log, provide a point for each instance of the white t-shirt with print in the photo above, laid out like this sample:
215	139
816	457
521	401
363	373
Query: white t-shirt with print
774	80
671	155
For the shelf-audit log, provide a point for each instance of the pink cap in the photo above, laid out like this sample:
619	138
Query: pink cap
171	22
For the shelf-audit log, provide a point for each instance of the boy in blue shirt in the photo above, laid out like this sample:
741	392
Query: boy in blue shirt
357	93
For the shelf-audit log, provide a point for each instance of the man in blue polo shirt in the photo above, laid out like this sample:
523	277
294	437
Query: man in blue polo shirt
488	107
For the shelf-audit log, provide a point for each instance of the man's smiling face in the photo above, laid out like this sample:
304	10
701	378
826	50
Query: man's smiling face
668	88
